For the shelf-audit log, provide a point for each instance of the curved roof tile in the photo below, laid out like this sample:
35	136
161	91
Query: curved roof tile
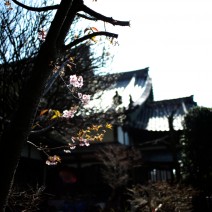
153	116
136	84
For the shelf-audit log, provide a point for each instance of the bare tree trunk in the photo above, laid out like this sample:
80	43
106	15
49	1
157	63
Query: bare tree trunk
16	134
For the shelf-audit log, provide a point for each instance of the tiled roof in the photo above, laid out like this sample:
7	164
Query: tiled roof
153	116
148	115
136	84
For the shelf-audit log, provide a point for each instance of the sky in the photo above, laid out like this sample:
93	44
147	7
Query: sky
171	37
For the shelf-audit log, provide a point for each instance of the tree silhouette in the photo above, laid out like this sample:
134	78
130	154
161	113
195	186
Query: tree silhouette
196	148
54	48
118	164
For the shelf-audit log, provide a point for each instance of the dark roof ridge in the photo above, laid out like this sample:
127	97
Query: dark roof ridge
186	99
138	72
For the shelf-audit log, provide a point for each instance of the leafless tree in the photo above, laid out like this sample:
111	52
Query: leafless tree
118	162
51	51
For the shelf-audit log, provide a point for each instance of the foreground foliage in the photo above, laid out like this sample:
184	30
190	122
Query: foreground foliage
25	200
161	196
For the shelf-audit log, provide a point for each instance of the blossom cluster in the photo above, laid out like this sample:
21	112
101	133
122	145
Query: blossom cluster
92	133
69	113
76	81
83	138
84	98
53	160
82	141
71	146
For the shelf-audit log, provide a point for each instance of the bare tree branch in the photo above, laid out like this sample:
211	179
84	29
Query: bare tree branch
57	24
86	37
36	9
87	17
104	18
44	129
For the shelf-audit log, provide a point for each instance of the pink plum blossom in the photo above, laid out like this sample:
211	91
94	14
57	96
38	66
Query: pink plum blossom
83	142
76	81
69	113
85	99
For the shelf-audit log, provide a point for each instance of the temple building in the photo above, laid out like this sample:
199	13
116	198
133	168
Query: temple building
152	126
